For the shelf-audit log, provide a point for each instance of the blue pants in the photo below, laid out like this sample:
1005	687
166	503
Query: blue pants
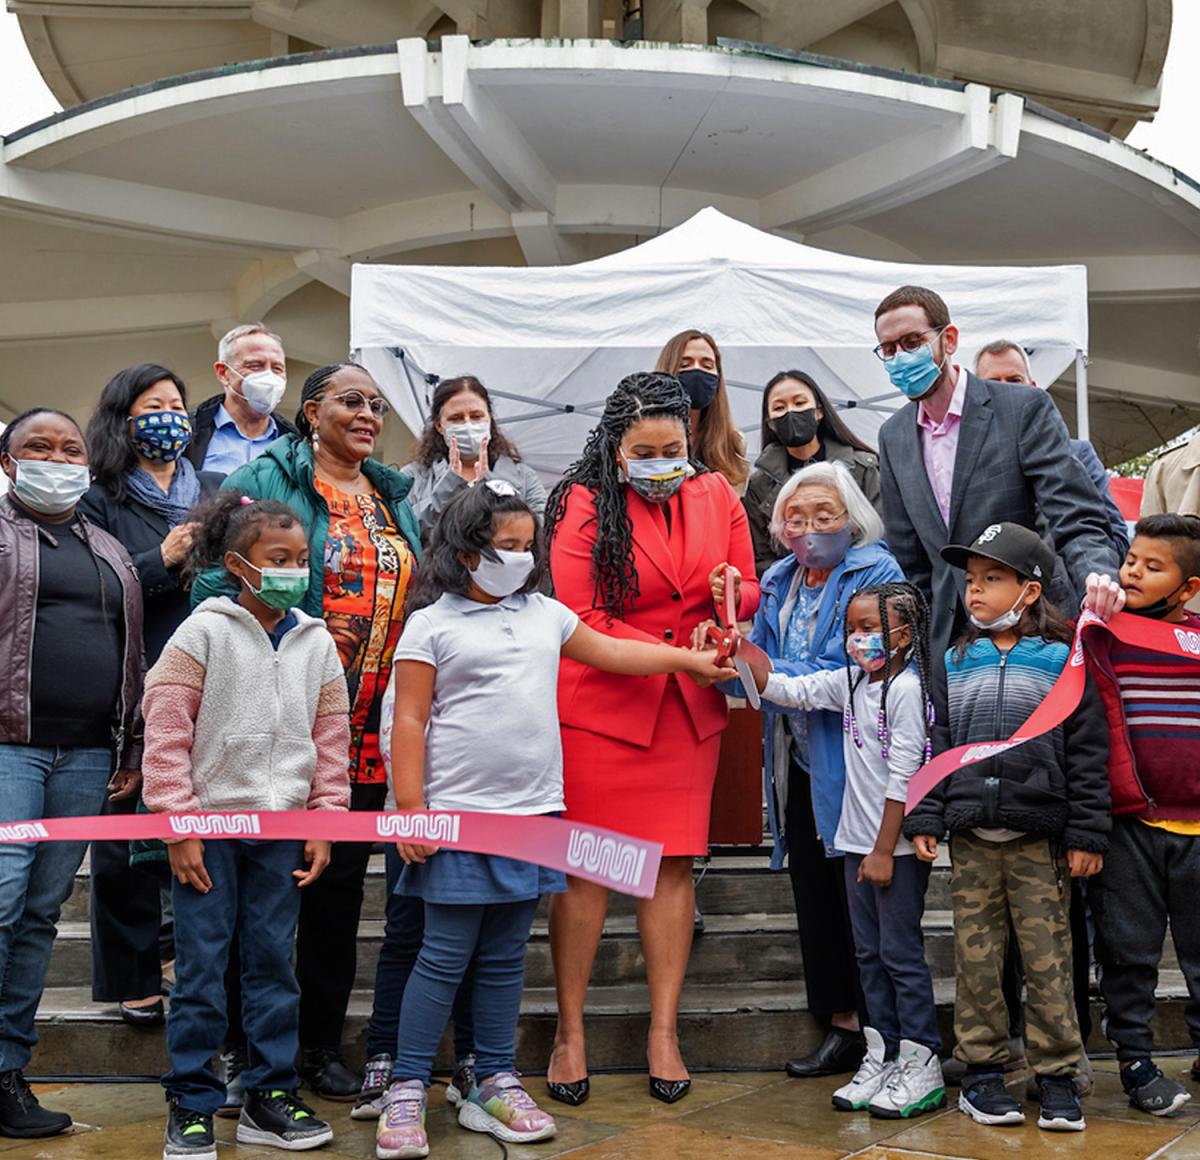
890	950
403	933
36	878
255	898
495	936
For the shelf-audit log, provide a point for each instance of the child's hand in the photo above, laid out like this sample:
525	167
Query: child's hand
412	853
1105	597
700	641
187	863
925	847
124	784
716	583
1083	864
876	869
316	854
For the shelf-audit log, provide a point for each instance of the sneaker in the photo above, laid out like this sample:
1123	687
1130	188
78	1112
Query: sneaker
1151	1091
377	1077
1085	1081
914	1084
400	1133
462	1081
188	1134
21	1116
280	1120
870	1078
230	1066
1061	1110
504	1109
986	1100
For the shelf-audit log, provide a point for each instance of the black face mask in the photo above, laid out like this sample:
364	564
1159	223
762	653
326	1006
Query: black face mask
1160	609
795	428
701	387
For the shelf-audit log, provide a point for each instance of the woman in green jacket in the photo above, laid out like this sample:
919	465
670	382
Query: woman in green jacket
364	544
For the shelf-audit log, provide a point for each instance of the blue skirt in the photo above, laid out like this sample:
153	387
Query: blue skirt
459	877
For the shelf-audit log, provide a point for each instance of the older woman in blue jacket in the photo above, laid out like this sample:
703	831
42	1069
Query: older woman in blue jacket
834	537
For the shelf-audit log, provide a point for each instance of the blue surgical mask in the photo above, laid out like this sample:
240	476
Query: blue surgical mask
48	487
913	372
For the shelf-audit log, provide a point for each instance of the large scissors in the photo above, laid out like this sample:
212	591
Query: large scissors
731	645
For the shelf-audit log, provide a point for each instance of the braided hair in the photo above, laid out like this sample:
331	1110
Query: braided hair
907	603
313	388
638	396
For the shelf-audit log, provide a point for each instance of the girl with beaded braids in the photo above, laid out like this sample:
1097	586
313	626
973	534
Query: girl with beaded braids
886	717
642	538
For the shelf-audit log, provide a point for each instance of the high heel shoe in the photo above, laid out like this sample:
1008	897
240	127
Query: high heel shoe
570	1093
670	1091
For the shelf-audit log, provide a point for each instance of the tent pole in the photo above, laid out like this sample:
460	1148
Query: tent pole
1082	426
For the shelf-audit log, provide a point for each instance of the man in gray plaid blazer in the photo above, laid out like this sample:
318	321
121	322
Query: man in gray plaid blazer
965	453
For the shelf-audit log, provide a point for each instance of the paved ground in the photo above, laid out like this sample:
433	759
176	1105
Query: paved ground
739	1116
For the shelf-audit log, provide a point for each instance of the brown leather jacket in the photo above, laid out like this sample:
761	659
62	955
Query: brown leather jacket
19	568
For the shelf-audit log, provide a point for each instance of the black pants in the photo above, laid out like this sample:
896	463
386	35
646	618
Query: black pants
127	922
822	914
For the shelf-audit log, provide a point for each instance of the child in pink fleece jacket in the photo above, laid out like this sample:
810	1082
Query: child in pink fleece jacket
245	710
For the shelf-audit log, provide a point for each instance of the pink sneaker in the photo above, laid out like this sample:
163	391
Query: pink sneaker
400	1133
501	1107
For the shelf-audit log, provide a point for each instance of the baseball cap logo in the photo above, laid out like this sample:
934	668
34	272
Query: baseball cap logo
989	534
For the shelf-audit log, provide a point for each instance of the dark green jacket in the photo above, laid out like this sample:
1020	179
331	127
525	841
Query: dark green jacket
284	472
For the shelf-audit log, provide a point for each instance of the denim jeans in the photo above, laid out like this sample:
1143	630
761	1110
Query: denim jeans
36	878
403	932
255	898
495	936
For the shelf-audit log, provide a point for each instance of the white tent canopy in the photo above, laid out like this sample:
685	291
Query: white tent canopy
550	342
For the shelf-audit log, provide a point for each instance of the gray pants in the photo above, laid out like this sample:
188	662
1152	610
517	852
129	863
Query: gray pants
1150	877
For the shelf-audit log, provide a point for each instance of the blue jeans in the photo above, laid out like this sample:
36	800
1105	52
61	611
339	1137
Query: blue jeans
495	936
255	898
36	878
890	949
403	932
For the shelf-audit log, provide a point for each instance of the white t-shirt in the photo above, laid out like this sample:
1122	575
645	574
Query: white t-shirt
870	780
492	743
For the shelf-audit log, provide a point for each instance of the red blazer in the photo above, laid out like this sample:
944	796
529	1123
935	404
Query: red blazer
670	604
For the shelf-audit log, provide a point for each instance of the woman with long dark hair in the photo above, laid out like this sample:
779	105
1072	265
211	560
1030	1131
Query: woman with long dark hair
143	488
799	427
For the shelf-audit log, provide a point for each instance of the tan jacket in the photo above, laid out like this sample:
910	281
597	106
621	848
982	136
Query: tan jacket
1173	482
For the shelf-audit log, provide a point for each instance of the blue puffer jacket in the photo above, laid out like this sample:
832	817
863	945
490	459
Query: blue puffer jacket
862	568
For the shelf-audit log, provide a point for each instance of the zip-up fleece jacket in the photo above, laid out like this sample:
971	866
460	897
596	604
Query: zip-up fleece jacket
1055	784
232	723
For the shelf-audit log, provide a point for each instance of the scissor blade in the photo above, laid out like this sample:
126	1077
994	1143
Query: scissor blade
749	686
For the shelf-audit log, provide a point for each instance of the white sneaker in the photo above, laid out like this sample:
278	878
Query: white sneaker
914	1084
868	1080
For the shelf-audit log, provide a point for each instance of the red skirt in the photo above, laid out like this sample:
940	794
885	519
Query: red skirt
662	793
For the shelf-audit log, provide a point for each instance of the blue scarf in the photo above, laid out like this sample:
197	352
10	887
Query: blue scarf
176	501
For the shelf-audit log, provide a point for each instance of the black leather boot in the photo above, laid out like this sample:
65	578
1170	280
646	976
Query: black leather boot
842	1051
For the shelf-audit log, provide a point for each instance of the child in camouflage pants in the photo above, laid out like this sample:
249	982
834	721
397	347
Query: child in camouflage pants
1018	823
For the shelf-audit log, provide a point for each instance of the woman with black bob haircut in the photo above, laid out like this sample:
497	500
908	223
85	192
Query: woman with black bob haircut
142	492
799	427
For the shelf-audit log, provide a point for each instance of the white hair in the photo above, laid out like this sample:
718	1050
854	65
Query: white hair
1003	346
228	344
864	519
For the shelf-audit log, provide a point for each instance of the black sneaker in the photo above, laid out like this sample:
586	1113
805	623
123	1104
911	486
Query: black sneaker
280	1120
188	1134
230	1066
1061	1110
462	1081
21	1116
1151	1091
376	1079
986	1100
325	1073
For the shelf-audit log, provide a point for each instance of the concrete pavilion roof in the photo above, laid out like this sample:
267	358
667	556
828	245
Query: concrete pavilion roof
140	225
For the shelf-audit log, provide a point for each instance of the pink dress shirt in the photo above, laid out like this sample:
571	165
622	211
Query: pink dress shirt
939	444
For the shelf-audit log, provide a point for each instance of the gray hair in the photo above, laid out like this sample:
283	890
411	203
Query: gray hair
1003	346
864	519
227	345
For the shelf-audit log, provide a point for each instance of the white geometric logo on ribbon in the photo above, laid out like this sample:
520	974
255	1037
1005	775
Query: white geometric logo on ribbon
607	857
215	825
22	831
419	827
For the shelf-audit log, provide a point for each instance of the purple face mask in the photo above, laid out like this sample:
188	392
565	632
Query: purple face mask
821	550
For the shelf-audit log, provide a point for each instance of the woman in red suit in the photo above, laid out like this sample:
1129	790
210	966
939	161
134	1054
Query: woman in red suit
640	537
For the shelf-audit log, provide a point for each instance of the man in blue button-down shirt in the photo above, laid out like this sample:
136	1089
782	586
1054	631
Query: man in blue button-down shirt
231	429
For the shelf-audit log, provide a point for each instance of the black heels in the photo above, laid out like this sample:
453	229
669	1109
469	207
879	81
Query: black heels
570	1093
670	1091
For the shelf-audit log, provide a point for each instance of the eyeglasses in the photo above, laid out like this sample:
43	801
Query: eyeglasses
909	343
822	522
356	401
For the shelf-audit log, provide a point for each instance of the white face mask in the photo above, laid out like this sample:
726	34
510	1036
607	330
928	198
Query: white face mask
50	488
503	577
468	436
1005	620
262	390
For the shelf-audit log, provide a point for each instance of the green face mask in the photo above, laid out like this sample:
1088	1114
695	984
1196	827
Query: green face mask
278	588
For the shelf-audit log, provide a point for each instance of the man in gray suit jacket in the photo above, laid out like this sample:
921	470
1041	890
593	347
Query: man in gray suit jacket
965	453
